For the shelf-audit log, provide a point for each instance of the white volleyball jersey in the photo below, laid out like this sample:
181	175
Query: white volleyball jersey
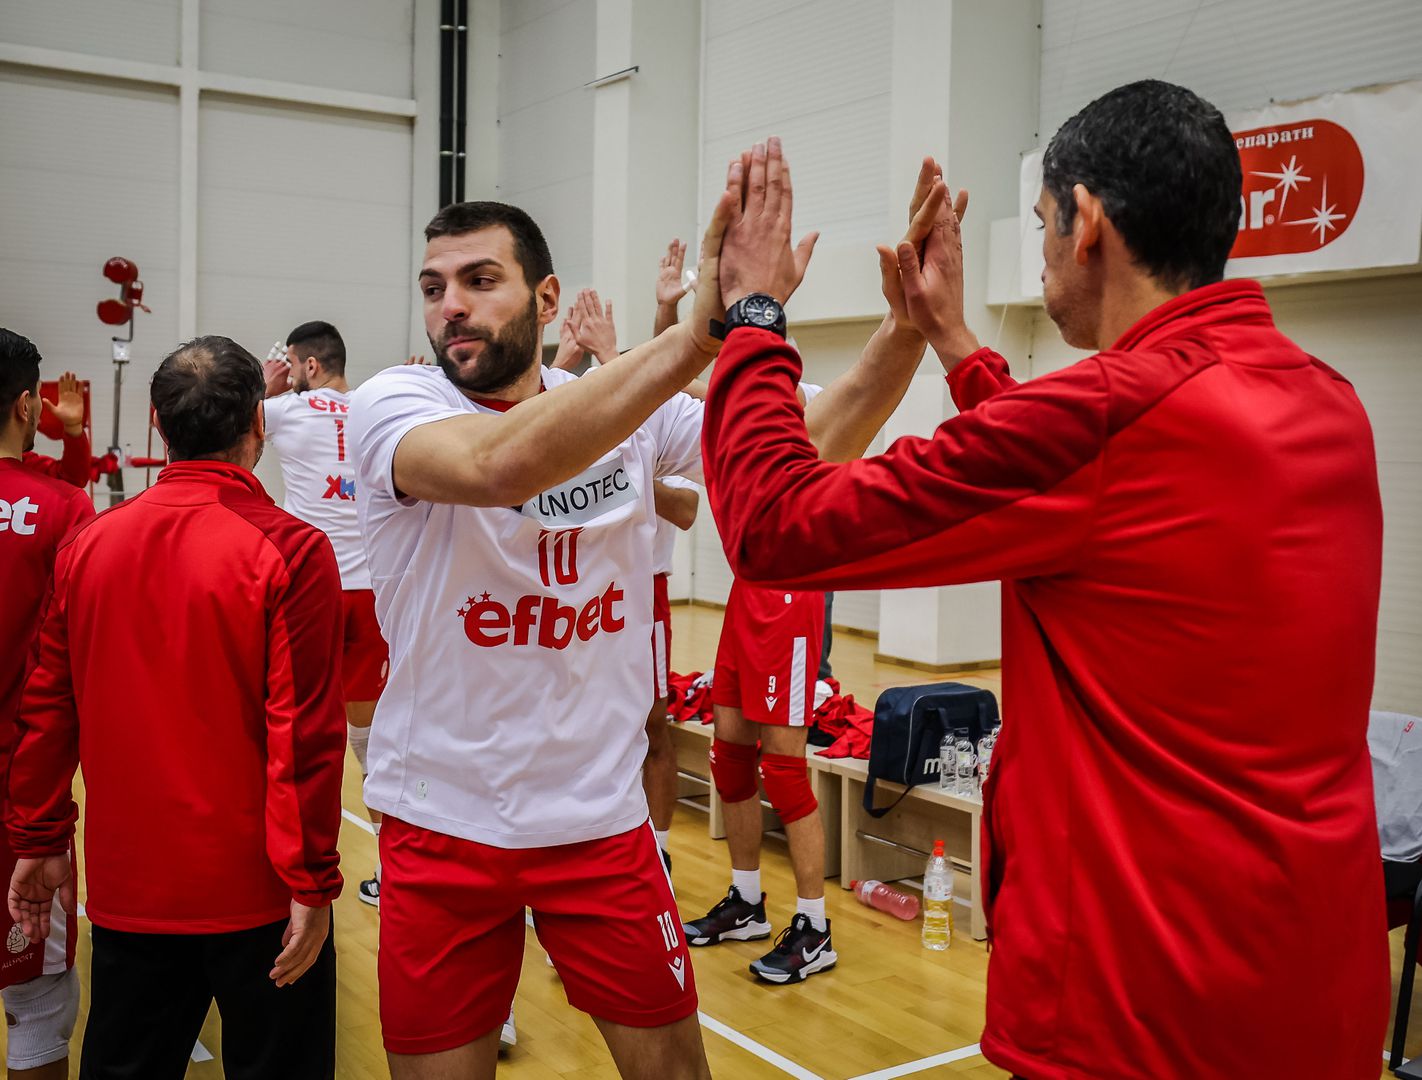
664	546
308	431
520	676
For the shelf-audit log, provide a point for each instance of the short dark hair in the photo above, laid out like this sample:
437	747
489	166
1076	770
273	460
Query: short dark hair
1163	163
530	248
19	370
205	392
322	341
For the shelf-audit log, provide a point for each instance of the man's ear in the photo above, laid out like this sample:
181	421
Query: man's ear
548	293
259	422
1086	229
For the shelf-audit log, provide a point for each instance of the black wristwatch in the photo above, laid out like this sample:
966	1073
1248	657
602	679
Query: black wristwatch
758	309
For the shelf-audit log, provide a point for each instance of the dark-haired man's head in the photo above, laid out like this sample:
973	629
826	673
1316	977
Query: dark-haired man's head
207	394
1146	181
488	289
317	354
19	391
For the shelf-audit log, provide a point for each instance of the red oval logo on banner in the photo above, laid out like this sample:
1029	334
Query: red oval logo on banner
1302	185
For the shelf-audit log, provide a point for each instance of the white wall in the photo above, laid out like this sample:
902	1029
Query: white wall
260	161
1239	54
545	127
90	170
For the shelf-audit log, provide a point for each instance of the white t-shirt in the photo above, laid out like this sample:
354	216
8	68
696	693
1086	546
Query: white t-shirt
520	677
309	432
664	546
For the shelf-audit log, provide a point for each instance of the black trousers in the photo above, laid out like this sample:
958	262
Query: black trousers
151	993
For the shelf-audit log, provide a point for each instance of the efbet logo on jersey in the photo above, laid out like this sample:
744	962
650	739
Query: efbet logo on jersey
1302	185
543	620
338	487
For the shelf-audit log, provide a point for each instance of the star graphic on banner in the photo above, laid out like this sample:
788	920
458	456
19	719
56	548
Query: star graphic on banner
1322	218
1289	178
464	611
471	601
485	598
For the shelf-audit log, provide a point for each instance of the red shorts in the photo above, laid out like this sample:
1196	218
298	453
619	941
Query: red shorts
661	634
452	933
365	658
769	654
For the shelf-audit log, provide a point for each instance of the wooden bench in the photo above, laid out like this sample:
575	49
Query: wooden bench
858	847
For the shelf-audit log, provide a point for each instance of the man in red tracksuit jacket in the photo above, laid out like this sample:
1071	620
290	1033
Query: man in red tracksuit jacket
1181	862
37	979
189	661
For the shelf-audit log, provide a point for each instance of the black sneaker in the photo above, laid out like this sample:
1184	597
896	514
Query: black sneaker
733	919
799	952
369	892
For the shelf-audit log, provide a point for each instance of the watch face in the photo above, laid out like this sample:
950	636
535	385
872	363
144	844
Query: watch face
760	310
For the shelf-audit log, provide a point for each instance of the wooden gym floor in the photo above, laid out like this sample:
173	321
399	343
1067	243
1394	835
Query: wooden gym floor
888	1009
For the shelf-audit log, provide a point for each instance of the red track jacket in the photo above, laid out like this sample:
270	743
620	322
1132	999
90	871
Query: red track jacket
1181	860
72	467
190	663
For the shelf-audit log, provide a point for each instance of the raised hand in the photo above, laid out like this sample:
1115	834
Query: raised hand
69	409
593	327
570	353
923	276
756	255
32	890
669	269
416	361
277	373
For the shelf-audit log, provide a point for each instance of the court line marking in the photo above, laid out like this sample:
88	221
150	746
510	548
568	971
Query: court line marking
765	1054
200	1052
910	1067
358	822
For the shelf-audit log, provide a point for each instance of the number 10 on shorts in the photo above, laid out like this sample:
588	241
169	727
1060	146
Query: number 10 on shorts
669	930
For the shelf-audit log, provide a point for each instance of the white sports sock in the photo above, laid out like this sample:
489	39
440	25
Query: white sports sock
815	909
663	837
359	738
747	883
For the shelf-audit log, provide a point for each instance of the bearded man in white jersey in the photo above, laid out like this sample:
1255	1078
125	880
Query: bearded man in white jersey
509	532
306	406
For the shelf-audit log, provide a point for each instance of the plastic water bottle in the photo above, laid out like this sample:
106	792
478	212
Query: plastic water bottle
967	771
937	901
876	894
985	748
948	763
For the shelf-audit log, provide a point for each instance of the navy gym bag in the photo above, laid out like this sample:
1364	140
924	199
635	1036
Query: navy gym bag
909	725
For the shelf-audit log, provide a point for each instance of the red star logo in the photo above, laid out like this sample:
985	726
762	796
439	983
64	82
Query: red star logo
485	598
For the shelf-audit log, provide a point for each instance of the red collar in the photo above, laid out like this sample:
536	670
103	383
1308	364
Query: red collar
503	406
1235	301
210	472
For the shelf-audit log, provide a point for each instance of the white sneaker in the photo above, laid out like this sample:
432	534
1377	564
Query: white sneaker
508	1037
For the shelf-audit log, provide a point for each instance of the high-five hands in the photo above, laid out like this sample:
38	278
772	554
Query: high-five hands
669	274
923	276
593	328
756	255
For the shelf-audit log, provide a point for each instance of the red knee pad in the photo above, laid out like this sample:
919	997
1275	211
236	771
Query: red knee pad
787	784
733	770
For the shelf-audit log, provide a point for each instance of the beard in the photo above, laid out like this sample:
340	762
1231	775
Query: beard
507	355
